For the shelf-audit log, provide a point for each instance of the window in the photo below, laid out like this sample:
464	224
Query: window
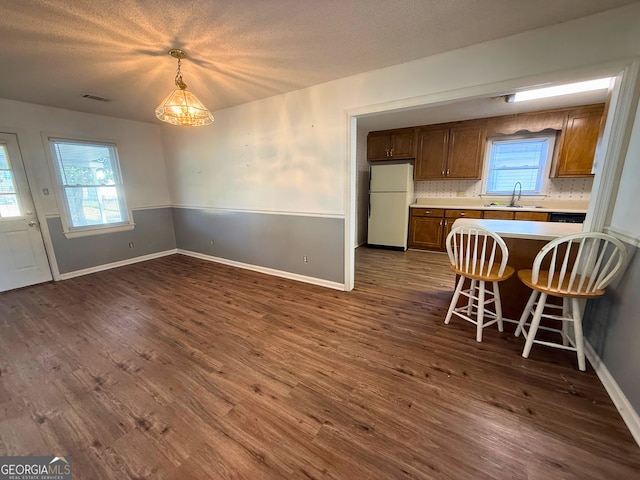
8	195
523	159
90	184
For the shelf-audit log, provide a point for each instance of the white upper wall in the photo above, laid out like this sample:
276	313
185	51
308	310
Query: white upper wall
139	150
289	153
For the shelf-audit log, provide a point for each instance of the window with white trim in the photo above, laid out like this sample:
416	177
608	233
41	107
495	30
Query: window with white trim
523	158
9	206
90	184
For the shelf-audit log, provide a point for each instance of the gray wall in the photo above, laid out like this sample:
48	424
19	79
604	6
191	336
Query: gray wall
267	240
153	233
612	326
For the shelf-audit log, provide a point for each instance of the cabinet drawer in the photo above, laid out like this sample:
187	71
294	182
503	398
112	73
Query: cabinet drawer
463	214
427	212
498	215
532	216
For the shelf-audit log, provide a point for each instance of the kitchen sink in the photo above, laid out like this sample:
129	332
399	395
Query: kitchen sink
513	206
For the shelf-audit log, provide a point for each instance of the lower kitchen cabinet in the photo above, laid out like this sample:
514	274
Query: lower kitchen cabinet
531	216
498	215
426	228
509	215
450	217
429	227
426	233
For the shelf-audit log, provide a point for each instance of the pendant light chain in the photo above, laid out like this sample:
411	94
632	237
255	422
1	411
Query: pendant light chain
179	83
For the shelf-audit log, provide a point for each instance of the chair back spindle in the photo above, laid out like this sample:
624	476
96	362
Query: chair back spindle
581	264
473	250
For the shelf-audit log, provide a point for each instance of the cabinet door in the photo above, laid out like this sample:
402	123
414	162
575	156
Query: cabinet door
466	151
446	230
377	147
403	145
432	154
426	233
578	142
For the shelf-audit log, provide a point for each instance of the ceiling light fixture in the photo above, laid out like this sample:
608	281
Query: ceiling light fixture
579	87
181	107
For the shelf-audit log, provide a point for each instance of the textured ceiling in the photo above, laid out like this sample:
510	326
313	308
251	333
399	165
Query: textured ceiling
53	52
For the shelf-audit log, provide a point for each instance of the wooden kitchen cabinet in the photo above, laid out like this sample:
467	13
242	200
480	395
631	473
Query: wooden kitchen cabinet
391	145
450	217
450	151
511	215
577	143
425	228
531	216
429	227
498	215
431	157
466	151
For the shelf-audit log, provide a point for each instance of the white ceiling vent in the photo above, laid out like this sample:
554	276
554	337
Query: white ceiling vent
97	98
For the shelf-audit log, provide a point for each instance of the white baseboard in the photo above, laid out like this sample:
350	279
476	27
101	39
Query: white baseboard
121	263
626	410
268	271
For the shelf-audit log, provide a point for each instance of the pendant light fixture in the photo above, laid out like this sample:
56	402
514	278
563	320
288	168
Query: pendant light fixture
181	107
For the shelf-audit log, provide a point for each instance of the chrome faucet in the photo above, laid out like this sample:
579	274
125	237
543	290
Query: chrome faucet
513	195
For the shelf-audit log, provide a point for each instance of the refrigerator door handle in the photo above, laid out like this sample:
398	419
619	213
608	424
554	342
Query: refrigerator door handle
369	209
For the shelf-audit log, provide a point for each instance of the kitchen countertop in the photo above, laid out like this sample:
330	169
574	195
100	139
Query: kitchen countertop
564	206
523	229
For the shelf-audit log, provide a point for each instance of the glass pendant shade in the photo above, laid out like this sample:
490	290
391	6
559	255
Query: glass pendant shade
181	107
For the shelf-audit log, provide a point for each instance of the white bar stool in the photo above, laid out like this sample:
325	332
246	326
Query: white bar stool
480	255
579	267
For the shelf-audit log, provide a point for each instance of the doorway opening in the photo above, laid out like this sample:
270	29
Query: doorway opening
474	102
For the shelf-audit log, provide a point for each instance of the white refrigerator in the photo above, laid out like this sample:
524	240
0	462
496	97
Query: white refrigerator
390	194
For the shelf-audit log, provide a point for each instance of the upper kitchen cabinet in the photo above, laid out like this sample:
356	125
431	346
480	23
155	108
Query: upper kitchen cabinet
433	150
578	141
451	151
391	145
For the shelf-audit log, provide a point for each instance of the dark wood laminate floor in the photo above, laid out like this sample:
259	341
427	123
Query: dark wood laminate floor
178	368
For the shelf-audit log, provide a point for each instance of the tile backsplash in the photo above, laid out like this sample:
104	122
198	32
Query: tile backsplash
556	188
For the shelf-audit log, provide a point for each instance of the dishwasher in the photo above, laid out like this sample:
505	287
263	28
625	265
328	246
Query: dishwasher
567	217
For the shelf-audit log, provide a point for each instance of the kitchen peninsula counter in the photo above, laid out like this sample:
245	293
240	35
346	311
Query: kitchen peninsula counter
523	229
524	240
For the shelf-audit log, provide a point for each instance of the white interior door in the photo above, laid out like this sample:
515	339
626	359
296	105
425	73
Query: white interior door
23	260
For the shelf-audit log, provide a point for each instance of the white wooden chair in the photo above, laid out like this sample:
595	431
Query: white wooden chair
480	255
575	267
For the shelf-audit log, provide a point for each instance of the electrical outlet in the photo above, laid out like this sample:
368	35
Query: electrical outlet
130	244
305	259
212	242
